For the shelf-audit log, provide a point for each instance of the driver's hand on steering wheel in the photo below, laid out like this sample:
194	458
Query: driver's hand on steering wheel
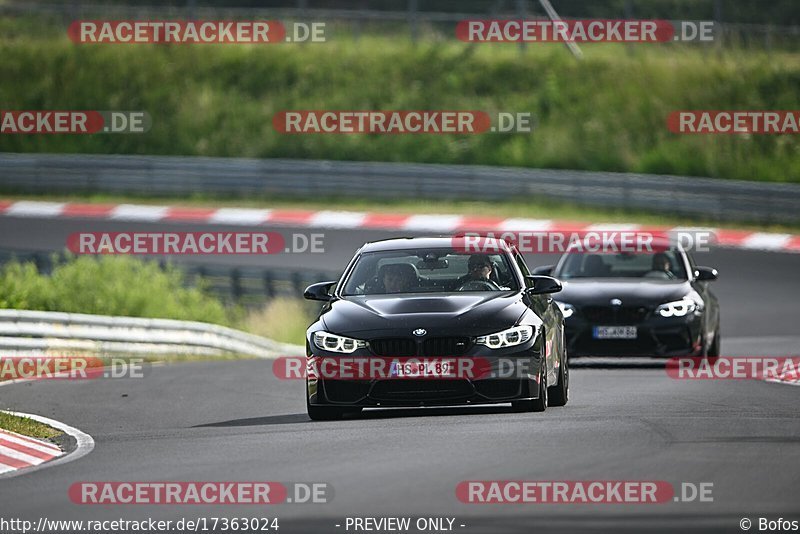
479	285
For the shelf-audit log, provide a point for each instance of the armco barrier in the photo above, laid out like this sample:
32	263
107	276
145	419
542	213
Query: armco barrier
411	15
24	332
706	198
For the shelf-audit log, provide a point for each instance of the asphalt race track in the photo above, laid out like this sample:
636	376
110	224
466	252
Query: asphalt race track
757	289
227	421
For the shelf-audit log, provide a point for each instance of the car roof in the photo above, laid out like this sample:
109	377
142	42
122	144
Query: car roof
409	243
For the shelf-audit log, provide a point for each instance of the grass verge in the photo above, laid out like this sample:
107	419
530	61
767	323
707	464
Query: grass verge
27	427
605	113
283	319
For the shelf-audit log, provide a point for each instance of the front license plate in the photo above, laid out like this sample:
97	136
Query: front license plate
614	332
434	369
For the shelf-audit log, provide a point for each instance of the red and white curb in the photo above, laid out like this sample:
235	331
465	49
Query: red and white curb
18	451
790	379
21	454
745	239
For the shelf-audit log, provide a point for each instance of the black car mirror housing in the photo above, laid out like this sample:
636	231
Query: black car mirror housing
705	274
546	270
543	285
319	291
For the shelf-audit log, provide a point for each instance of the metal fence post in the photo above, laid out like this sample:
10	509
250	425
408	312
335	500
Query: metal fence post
413	12
297	283
269	287
236	284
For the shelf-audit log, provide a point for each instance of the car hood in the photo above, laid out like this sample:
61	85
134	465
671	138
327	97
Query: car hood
631	291
445	314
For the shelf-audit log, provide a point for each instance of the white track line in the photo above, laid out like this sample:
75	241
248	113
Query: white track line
338	219
760	240
133	212
432	223
240	216
526	225
35	208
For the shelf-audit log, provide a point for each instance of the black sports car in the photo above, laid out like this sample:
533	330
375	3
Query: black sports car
435	305
643	304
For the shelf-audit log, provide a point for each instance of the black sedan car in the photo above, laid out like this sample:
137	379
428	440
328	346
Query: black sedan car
655	304
427	305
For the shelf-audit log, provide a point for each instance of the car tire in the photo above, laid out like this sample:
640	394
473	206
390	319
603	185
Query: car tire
558	395
535	405
712	353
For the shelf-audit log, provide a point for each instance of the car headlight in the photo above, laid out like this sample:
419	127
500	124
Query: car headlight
507	338
333	343
678	308
566	309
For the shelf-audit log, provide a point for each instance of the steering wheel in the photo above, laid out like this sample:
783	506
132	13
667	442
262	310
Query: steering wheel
666	275
479	285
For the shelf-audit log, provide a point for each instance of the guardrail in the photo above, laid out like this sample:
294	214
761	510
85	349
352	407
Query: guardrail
410	15
25	332
175	176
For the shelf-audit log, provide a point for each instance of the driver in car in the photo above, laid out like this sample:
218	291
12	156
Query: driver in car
479	267
479	272
661	267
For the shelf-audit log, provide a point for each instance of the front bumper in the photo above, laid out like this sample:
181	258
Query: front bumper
656	337
500	385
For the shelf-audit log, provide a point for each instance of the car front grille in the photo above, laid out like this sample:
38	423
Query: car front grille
615	315
421	390
445	346
394	347
431	347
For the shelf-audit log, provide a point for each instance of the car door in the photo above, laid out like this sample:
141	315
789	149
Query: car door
711	305
549	313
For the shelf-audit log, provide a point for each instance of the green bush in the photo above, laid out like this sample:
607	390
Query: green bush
108	285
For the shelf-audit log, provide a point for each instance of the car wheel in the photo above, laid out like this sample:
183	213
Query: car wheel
535	405
558	395
713	351
324	413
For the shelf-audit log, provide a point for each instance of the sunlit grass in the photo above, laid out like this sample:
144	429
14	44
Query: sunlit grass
26	426
607	112
283	319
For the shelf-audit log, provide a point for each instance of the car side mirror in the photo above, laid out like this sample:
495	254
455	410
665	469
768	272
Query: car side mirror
705	274
543	285
319	291
546	270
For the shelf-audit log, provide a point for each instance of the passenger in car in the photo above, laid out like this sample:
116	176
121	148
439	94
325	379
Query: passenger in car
398	278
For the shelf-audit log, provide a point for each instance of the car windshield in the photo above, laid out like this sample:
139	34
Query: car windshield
666	265
439	270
